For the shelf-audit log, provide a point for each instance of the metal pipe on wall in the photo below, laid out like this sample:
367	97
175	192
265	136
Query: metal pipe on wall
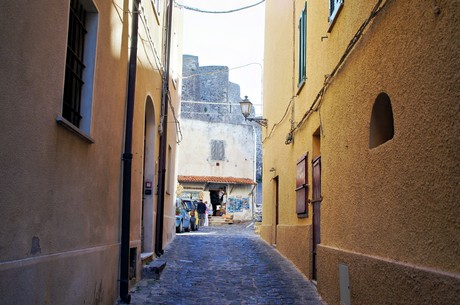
127	161
163	137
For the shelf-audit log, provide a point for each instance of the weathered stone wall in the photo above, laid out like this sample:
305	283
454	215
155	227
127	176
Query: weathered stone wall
190	85
207	93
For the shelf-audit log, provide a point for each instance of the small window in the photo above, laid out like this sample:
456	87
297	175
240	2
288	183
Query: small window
302	47
382	125
79	70
334	8
217	150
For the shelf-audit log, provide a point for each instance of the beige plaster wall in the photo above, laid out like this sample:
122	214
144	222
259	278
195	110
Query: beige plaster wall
195	149
279	160
60	195
295	243
266	233
378	280
404	204
397	200
84	276
397	203
149	90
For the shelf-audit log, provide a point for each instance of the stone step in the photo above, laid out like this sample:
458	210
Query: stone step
220	220
154	269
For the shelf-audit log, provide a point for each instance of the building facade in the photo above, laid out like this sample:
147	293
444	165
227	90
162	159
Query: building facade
218	159
218	155
361	161
66	71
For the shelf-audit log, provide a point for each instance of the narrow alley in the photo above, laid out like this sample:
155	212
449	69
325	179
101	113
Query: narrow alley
225	265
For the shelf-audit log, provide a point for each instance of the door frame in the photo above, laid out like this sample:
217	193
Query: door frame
276	214
316	217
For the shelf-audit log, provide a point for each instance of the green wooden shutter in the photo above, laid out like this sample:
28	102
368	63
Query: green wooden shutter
302	46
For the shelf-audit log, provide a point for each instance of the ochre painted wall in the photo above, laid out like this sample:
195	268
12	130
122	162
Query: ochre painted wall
61	195
389	213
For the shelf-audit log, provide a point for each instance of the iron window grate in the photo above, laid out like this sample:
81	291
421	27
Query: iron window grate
74	63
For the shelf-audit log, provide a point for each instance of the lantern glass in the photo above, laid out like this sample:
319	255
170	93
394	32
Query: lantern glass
246	106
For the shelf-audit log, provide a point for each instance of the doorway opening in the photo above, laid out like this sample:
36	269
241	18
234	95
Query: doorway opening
316	200
148	204
216	197
316	213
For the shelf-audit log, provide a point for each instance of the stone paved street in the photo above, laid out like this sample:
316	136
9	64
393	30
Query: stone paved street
222	265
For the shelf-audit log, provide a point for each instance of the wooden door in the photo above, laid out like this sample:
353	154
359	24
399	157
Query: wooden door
316	212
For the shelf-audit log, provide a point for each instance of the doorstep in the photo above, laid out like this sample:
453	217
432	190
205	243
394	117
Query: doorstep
146	257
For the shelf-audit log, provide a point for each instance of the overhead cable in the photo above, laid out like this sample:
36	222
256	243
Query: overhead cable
223	70
328	78
215	12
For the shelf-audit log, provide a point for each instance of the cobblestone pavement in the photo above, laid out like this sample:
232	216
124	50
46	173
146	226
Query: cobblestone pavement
222	265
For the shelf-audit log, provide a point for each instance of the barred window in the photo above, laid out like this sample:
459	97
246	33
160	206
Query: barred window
74	63
217	150
79	69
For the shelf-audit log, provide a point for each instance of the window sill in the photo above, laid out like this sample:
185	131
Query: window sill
69	126
301	85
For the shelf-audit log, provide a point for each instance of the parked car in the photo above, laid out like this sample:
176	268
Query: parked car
183	219
191	206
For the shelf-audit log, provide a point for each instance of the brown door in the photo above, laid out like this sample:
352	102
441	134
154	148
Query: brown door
316	211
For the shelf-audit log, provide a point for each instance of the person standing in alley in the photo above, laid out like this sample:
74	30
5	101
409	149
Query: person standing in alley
208	212
206	221
201	212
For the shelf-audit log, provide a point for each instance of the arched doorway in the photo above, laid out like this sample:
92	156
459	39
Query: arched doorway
148	198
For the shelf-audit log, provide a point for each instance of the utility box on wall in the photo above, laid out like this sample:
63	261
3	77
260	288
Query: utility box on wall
344	284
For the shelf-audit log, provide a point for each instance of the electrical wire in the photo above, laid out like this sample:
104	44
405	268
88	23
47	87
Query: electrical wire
158	64
215	12
281	120
179	135
223	70
154	50
318	99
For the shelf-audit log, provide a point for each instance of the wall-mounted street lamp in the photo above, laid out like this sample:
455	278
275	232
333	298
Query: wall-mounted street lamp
246	107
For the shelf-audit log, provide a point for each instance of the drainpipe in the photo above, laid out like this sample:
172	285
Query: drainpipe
127	162
163	137
252	199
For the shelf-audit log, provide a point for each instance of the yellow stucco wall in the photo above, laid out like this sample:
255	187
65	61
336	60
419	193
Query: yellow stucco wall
392	210
61	195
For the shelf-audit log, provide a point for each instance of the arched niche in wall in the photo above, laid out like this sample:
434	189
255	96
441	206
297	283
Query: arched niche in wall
382	124
149	183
